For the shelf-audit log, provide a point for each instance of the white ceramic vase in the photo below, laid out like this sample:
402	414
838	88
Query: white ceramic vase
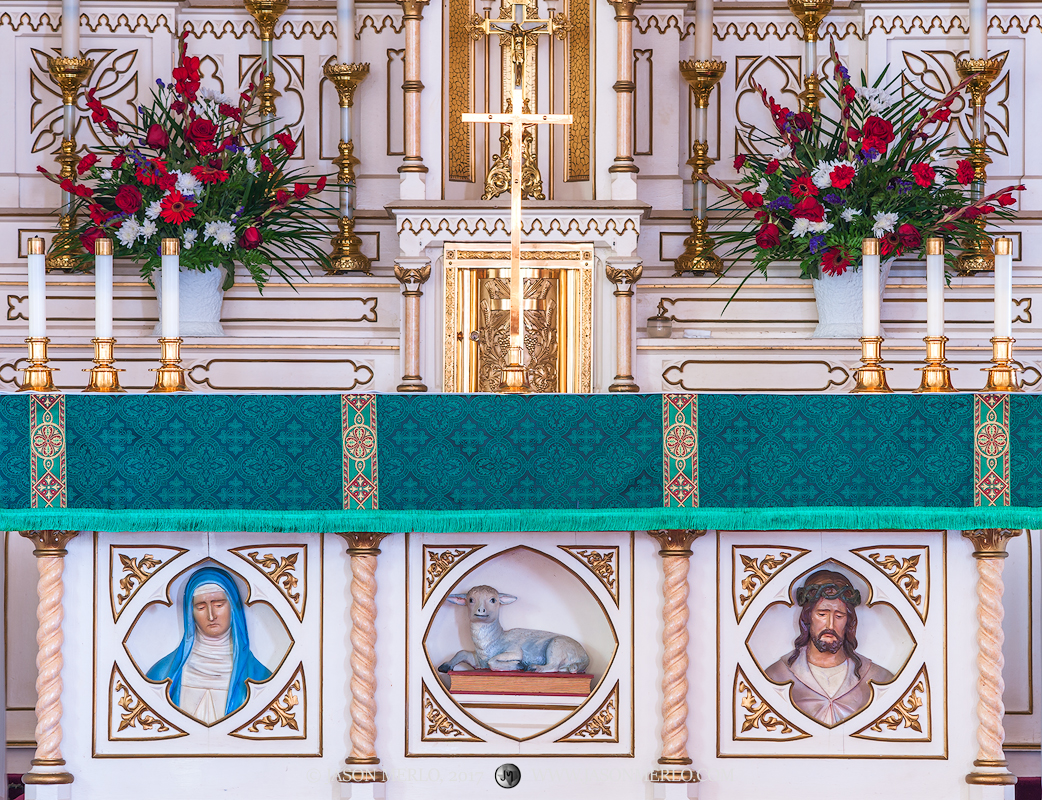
201	298
839	301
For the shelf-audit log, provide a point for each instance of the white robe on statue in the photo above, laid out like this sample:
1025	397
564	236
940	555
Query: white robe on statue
205	678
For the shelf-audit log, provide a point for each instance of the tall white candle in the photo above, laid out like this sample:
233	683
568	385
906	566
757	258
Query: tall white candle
37	289
345	31
935	287
978	28
810	55
870	288
703	30
1003	288
171	265
103	288
71	28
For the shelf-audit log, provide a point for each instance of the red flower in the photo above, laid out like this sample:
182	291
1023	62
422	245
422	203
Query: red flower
287	142
266	164
86	163
890	245
231	112
99	113
971	213
909	236
99	214
166	182
200	132
803	186
752	199
157	137
210	172
321	185
761	215
176	208
941	115
987	209
768	236
128	199
229	141
89	237
251	239
739	161
282	197
149	173
178	106
804	121
772	167
853	134
842	149
810	209
965	172
848	93
834	261
842	175
1006	200
878	134
77	189
300	190
118	161
924	174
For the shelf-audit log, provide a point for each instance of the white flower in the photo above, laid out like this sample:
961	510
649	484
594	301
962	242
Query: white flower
849	214
128	231
878	99
822	173
251	166
884	223
188	184
148	230
801	227
821	227
106	174
123	140
190	235
762	186
783	152
153	210
221	233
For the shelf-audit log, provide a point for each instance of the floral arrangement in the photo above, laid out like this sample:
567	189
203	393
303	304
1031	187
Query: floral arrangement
824	185
193	169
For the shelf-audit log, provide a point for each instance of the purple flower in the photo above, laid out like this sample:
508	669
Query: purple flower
833	198
870	155
781	204
160	84
903	187
817	244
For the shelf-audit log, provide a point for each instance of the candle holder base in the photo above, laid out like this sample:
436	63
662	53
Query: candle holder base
936	374
103	376
698	257
347	256
170	377
871	377
1002	377
37	376
515	375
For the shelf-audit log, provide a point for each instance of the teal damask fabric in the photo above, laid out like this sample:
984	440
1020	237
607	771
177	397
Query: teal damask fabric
15	456
1025	475
535	451
204	451
759	451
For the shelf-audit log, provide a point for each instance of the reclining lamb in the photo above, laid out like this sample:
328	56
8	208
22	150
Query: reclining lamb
514	649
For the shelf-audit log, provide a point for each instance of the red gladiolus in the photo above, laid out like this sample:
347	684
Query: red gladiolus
909	236
752	199
987	209
200	131
210	172
803	121
810	209
834	261
772	166
99	113
99	215
282	197
176	208
128	199
803	186
768	236
118	161
941	115
157	137
853	134
321	185
971	213
77	189
1006	200
266	164
739	161
964	172
761	215
300	190
89	237
251	239
849	93
178	106
842	175
842	149
287	142
879	133
86	163
924	174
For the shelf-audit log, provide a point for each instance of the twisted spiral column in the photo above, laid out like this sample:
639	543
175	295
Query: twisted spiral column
990	550
363	550
675	552
50	560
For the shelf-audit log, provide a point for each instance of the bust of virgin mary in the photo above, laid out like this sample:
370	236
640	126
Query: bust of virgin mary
209	668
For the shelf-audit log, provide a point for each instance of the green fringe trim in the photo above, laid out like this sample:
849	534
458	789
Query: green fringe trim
508	520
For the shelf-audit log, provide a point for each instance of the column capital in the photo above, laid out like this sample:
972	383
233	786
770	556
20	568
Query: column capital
412	278
624	9
49	543
363	543
676	542
412	9
990	542
624	278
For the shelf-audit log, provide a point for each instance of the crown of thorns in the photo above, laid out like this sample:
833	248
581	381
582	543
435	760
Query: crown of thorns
806	595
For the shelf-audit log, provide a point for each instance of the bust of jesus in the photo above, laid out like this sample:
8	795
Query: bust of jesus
209	669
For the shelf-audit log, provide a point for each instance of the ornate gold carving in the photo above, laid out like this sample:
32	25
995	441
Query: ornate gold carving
280	713
698	257
526	255
811	94
137	721
68	158
601	561
363	543
902	568
345	162
702	77
810	13
137	713
69	73
579	134
980	159
602	725
267	94
346	78
49	543
279	566
412	9
907	720
461	50
347	256
498	179
676	542
758	717
982	72
988	542
267	13
412	279
439	726
439	561
624	279
758	572
137	571
280	717
700	162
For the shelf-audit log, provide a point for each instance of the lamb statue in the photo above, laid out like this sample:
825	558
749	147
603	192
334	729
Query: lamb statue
515	649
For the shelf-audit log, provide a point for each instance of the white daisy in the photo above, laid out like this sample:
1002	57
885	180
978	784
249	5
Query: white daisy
783	152
190	235
884	223
821	227
221	233
128	231
801	227
148	230
188	184
251	166
849	214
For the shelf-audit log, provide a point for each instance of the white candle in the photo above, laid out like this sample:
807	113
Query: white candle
171	265
1003	288
345	31
71	28
870	288
703	30
978	28
935	287
37	289
103	288
810	55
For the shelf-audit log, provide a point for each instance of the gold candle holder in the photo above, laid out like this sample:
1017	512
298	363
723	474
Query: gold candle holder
937	376
515	375
37	375
1002	377
267	13
810	14
170	377
871	376
103	376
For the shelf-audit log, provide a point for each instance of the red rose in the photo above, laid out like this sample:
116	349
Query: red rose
86	163
251	239
128	198
848	93
834	261
200	131
739	161
752	199
804	121
118	161
810	209
878	134
842	175
157	137
1006	200
89	237
965	172
909	236
300	190
924	174
803	186
772	166
287	142
768	236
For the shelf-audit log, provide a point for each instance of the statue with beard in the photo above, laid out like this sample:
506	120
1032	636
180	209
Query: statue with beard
830	679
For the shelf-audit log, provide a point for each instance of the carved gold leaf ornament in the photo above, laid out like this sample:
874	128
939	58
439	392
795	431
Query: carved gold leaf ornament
285	717
281	713
137	713
136	719
758	717
907	720
601	561
439	561
281	568
757	571
908	568
602	725
131	567
439	726
140	571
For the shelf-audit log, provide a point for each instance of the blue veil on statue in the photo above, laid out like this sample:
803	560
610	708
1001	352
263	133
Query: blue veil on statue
245	665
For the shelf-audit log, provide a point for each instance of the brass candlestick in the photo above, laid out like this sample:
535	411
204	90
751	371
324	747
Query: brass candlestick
347	255
810	14
1002	377
936	374
871	377
37	375
103	376
170	377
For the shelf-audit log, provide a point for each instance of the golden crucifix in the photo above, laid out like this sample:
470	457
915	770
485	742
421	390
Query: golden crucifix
519	30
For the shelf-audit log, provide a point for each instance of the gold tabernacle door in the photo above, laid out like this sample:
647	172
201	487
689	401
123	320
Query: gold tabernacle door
558	315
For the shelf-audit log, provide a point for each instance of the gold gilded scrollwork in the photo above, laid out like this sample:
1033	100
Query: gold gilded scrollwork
579	134
907	720
281	715
136	719
602	725
757	571
279	563
758	717
136	570
498	179
439	561
601	561
439	726
907	568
